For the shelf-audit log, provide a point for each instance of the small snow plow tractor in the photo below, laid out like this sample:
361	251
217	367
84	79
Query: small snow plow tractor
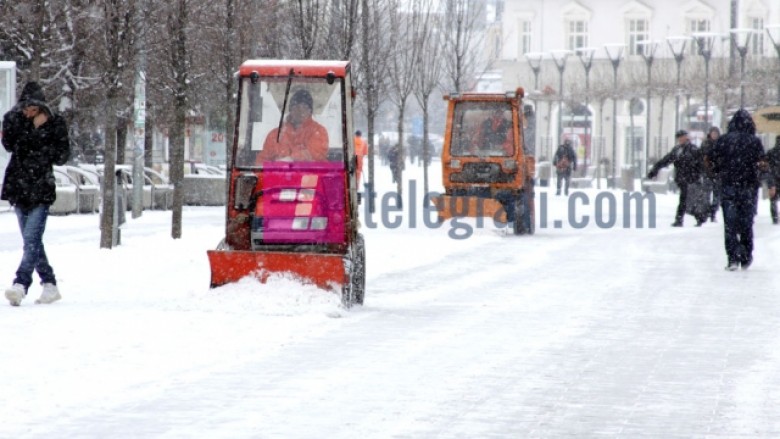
486	171
292	200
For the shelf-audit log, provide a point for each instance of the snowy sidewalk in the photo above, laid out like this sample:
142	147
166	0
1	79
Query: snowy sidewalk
580	333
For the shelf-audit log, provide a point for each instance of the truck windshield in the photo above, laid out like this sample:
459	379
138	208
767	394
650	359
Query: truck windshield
482	129
311	130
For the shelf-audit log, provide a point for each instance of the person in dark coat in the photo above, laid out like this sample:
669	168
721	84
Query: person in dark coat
37	139
396	161
773	178
564	160
711	180
688	167
737	159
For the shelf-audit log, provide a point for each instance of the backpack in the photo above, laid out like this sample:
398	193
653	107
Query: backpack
563	162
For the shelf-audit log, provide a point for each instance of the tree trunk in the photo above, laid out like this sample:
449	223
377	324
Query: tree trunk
109	180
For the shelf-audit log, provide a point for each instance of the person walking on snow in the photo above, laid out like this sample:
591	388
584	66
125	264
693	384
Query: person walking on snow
773	177
565	160
709	177
37	140
738	159
361	150
688	164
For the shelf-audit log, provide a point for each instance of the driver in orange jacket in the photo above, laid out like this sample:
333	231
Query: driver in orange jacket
302	139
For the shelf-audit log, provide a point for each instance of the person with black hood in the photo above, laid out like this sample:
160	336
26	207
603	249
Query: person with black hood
565	160
37	139
688	164
773	178
738	159
711	180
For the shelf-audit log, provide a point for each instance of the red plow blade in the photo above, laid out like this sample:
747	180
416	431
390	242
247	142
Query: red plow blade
325	271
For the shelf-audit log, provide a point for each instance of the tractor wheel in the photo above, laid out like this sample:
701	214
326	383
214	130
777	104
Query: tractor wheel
359	270
355	286
524	214
517	224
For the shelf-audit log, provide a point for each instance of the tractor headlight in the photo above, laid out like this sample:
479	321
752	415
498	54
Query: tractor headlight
510	165
300	223
306	195
319	223
454	163
288	194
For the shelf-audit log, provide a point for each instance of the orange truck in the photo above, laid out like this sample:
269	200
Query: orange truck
486	171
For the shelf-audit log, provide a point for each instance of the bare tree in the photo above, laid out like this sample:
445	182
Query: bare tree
370	75
305	22
115	53
428	73
463	20
342	29
406	47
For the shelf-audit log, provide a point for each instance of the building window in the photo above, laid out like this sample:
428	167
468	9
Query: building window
524	43
576	34
637	31
757	39
697	26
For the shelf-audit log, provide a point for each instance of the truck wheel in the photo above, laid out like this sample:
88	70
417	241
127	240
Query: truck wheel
524	218
530	216
359	264
517	225
354	288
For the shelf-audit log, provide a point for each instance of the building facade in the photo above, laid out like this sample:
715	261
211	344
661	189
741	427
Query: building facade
618	77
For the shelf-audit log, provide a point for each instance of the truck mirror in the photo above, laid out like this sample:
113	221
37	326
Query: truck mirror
245	187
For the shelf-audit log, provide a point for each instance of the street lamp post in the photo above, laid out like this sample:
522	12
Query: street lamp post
774	35
615	53
741	38
677	46
560	56
535	61
705	41
648	53
586	57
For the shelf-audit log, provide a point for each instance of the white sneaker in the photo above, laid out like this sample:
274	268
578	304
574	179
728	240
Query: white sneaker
15	294
50	294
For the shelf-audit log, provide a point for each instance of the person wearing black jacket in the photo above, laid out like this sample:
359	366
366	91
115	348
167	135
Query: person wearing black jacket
565	160
773	178
688	167
709	177
37	139
738	159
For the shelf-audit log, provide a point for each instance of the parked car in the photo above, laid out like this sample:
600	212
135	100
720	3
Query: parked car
157	191
67	193
88	188
204	185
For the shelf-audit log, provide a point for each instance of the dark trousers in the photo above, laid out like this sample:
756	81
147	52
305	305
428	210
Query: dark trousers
739	209
683	203
563	177
713	185
773	205
32	223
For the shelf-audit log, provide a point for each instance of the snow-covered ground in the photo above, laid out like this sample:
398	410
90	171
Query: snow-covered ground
573	332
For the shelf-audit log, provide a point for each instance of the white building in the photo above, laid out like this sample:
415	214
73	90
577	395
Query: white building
544	28
7	101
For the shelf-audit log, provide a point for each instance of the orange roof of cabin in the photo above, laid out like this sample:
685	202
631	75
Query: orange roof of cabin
265	67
